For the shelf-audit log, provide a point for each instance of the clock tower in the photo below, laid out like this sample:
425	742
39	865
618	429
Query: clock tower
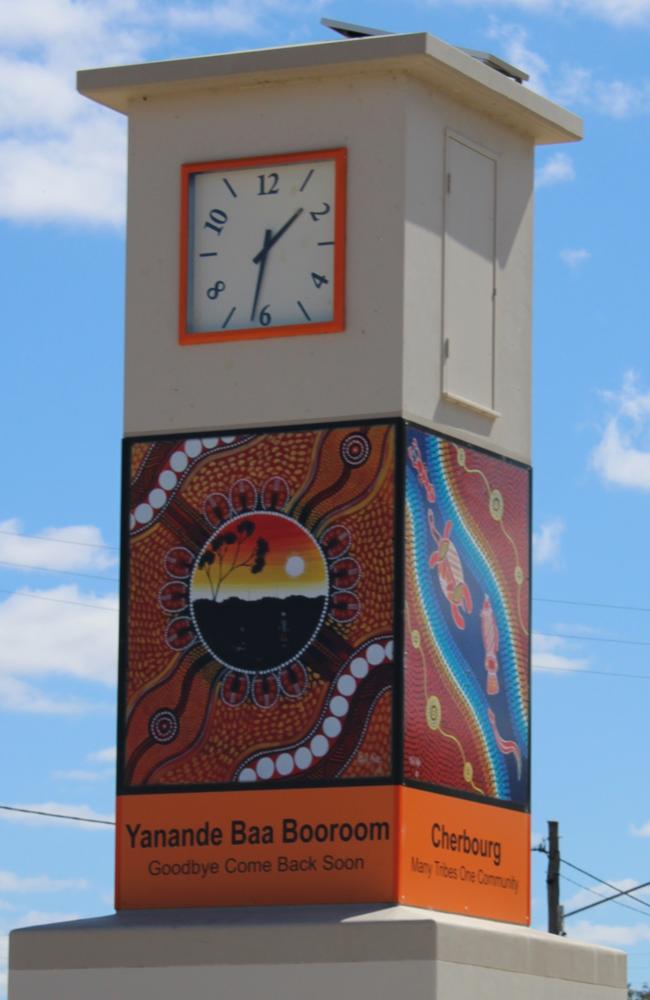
325	567
324	695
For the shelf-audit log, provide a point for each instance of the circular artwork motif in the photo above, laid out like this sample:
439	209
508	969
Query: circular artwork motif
163	726
355	449
258	592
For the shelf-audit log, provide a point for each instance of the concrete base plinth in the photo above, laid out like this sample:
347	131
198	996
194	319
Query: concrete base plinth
305	953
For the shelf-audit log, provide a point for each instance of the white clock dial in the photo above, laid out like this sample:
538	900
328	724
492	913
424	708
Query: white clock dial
261	245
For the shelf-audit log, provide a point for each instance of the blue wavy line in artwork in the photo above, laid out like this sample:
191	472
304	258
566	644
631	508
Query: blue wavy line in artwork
477	564
462	648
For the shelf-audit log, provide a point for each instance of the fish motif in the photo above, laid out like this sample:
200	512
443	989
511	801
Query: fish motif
490	633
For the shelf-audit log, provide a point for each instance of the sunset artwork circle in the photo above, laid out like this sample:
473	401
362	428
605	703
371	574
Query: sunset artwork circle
259	591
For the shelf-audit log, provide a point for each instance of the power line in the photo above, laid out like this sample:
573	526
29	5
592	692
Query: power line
59	541
58	600
542	848
609	899
40	812
593	638
593	673
609	885
64	572
616	902
590	604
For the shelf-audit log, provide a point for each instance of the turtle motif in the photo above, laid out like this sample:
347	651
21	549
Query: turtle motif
450	572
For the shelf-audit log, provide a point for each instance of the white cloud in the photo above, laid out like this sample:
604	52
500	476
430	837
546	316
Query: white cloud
82	811
546	541
578	87
106	756
518	52
570	84
641	831
574	258
81	643
62	159
578	629
623	13
620	12
78	546
10	882
556	170
549	654
622	456
611	935
78	177
17	696
79	775
42	635
37	917
222	17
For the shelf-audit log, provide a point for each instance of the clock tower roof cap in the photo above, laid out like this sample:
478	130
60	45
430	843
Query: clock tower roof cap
444	66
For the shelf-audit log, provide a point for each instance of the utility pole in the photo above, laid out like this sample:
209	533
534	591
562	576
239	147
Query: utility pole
553	879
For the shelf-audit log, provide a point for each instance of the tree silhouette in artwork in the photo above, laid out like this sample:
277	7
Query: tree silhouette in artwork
232	551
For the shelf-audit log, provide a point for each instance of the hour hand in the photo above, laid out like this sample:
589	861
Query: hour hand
270	238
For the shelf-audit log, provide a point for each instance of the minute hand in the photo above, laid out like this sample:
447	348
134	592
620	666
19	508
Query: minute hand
276	236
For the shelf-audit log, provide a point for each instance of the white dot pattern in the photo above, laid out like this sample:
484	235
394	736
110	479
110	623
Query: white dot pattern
265	767
346	685
169	477
339	705
303	758
143	513
332	727
290	763
157	499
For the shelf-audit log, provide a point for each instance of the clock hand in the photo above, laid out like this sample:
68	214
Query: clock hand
270	239
260	259
273	238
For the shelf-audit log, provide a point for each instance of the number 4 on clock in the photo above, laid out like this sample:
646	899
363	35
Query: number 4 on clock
319	279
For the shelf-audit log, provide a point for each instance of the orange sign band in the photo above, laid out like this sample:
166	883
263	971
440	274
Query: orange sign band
368	844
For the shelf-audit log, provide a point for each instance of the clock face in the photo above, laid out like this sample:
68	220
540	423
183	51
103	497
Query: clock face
263	247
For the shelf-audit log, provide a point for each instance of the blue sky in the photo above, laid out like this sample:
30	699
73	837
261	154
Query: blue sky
62	184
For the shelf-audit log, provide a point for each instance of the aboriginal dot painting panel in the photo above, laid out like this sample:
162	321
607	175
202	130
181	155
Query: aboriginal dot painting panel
260	609
466	682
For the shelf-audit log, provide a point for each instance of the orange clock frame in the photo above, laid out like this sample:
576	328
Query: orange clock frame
337	323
